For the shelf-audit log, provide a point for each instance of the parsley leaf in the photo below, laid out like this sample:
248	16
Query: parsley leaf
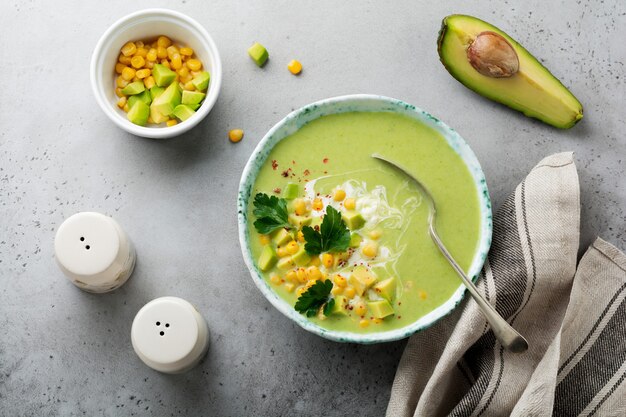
312	299
333	236
271	213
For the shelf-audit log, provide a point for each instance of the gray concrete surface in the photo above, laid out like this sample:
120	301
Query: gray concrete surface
65	352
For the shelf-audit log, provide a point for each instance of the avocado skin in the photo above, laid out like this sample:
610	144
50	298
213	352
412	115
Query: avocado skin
458	75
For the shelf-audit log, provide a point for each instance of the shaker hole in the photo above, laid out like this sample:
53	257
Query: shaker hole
87	247
158	323
167	325
82	239
162	333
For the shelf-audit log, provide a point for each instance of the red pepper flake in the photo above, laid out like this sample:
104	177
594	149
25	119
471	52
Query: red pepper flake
307	172
274	164
316	227
277	190
399	317
399	303
285	174
293	162
325	172
325	160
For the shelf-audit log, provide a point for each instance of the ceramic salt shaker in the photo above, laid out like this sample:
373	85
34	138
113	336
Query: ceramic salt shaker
93	252
170	335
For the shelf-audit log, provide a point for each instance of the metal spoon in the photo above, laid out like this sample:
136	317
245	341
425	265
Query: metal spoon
509	337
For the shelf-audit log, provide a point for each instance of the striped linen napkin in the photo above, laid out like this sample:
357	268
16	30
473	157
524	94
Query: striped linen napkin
573	318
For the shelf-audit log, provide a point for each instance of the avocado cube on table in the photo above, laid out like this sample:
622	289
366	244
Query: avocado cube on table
145	97
133	88
355	240
299	221
339	306
361	279
353	220
301	258
286	263
268	258
291	191
282	237
183	112
201	81
380	308
192	97
168	100
156	91
163	76
139	113
386	288
258	53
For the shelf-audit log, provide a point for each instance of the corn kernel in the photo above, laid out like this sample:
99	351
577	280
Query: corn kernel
294	67
161	52
129	49
164	41
375	234
128	73
281	252
299	206
291	276
301	275
118	92
119	67
121	102
314	273
370	249
149	65
188	86
349	203
315	261
172	122
422	295
194	64
183	72
151	56
171	51
235	135
149	82
126	108
177	62
292	247
318	204
143	73
328	260
142	52
339	195
137	61
360	309
340	281
300	236
264	239
121	82
124	59
336	290
275	279
165	63
300	290
290	286
349	292
364	323
186	51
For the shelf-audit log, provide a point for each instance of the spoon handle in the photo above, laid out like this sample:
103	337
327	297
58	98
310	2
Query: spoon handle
509	337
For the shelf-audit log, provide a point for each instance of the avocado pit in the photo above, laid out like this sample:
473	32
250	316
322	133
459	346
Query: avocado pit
492	55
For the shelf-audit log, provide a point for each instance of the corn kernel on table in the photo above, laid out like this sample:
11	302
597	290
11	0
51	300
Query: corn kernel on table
66	352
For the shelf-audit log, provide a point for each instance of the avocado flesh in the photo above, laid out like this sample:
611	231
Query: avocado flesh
533	90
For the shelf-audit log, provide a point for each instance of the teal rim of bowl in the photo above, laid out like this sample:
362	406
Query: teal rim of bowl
361	103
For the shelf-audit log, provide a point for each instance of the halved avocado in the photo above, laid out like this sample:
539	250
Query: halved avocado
533	90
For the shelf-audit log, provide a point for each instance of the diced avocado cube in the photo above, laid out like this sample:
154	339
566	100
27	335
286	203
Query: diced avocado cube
156	91
193	107
339	307
268	258
299	221
282	237
386	288
163	76
168	100
286	263
258	53
145	97
380	308
133	88
361	279
201	81
156	116
301	258
183	112
192	97
139	113
353	220
291	191
355	240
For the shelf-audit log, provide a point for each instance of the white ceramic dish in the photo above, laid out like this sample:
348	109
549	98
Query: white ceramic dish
361	103
146	24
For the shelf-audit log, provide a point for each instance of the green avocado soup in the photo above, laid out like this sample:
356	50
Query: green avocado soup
392	261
